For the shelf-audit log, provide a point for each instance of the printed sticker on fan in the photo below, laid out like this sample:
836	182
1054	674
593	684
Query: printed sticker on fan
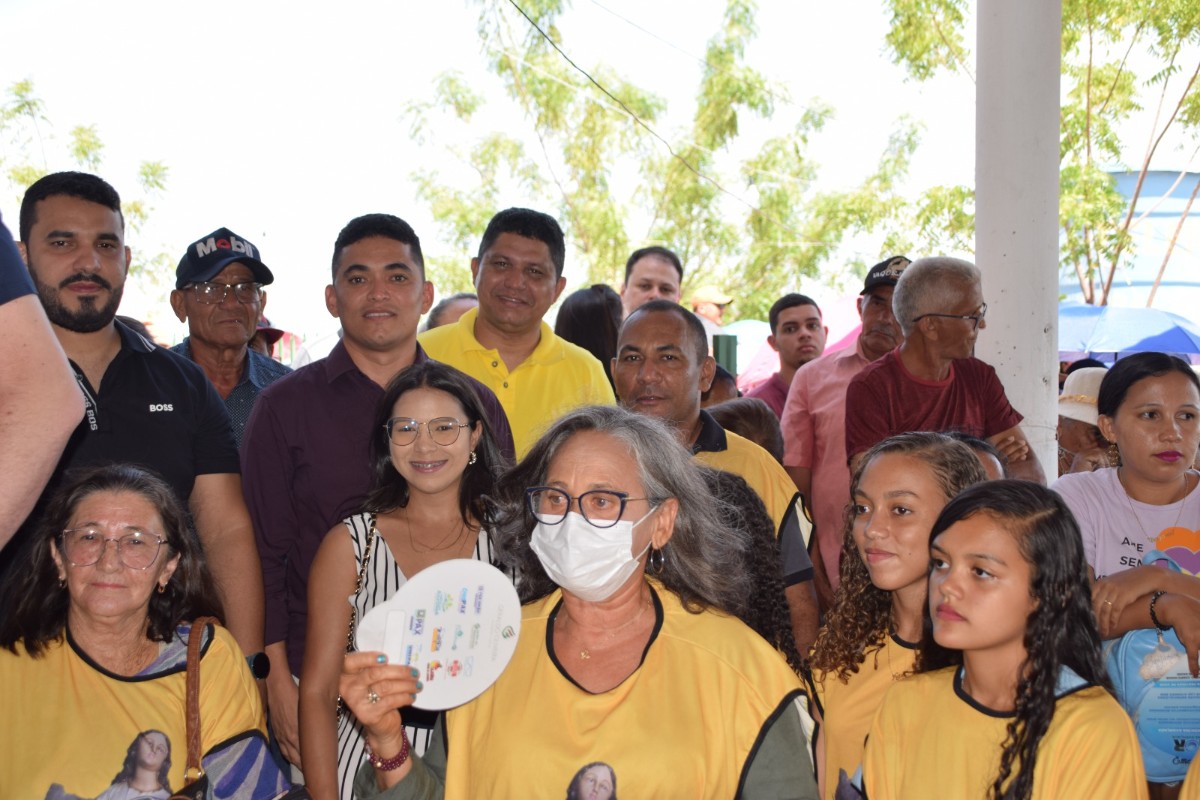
456	621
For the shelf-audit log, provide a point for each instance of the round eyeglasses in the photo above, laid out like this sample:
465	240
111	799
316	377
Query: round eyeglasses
443	430
974	319
601	507
212	294
83	547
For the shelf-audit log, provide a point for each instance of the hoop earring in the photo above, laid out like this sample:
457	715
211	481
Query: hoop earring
472	459
657	562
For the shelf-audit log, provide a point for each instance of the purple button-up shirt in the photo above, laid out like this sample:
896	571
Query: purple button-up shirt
306	467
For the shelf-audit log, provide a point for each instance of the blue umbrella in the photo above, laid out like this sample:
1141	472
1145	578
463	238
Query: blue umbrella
1112	329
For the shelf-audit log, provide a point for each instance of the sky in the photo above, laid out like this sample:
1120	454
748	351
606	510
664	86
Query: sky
284	120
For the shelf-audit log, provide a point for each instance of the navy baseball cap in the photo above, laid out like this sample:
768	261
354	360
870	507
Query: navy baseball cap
207	256
885	273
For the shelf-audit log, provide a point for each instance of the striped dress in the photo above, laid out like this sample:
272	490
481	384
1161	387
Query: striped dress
383	579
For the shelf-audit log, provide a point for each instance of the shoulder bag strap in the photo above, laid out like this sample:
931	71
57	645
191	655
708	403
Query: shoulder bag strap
194	771
362	576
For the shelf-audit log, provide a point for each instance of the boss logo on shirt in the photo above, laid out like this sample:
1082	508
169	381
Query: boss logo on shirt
161	407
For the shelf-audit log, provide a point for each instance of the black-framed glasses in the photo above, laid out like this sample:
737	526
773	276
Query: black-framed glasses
443	430
212	294
601	507
974	319
137	549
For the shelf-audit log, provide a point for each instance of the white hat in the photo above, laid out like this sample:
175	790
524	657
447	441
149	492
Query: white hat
1079	394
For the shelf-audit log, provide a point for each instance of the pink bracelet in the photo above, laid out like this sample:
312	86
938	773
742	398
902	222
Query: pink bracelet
389	764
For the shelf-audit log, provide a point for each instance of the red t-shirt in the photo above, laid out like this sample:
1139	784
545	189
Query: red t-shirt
886	399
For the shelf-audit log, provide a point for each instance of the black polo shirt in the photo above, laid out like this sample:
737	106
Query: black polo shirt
153	408
156	409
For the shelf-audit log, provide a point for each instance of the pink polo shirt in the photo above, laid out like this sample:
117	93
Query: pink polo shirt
814	436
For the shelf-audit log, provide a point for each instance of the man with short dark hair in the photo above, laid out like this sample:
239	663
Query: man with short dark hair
218	293
798	335
814	420
661	368
144	404
505	344
651	273
932	381
306	452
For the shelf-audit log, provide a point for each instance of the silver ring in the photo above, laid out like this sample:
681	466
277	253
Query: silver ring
1108	602
372	697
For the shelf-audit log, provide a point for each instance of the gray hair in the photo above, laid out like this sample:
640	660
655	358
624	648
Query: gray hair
930	286
704	563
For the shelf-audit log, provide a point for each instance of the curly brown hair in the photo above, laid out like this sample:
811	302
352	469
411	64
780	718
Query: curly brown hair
861	615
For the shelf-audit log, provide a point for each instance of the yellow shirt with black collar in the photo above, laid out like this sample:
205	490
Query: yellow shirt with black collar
557	377
724	450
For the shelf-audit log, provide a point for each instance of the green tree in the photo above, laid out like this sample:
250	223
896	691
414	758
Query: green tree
596	158
1124	62
31	147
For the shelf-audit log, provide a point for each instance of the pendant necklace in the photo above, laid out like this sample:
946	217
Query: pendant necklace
586	653
1153	542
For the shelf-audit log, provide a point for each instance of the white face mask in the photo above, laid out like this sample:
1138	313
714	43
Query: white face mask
589	562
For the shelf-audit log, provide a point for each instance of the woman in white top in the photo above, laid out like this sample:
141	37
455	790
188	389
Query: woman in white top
434	461
1147	509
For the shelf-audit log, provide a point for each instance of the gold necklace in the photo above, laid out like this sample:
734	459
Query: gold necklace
454	537
611	633
1153	542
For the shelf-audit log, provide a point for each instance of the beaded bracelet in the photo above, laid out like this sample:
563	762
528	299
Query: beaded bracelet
389	764
1153	616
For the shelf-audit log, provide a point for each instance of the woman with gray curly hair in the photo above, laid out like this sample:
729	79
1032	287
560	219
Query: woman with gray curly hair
630	651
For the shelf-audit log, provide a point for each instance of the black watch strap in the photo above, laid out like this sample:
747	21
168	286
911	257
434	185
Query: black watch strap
260	665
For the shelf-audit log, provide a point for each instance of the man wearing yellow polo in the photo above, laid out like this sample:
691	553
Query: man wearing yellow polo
505	344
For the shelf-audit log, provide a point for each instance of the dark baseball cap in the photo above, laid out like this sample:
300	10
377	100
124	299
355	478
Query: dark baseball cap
885	273
207	256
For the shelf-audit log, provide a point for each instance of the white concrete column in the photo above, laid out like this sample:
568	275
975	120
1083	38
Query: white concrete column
1016	188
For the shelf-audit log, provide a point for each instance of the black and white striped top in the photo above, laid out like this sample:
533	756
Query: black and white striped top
383	579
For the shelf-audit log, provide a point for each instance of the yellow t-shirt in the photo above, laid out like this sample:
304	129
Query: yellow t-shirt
847	709
556	378
71	723
931	739
1191	784
686	723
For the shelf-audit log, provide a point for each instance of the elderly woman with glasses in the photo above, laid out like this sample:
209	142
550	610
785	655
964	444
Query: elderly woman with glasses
630	654
434	458
93	653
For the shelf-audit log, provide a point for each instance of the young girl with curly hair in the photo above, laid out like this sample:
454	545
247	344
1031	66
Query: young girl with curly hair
1027	712
871	632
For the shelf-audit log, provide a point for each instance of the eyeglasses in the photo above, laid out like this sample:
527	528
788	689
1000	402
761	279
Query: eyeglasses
85	546
443	430
974	319
212	294
601	507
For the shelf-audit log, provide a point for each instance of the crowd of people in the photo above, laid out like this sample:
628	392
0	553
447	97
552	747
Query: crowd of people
851	582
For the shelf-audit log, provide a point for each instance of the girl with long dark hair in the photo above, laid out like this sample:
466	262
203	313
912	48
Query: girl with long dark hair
1024	709
871	632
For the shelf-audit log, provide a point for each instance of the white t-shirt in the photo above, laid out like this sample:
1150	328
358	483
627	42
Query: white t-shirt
1120	532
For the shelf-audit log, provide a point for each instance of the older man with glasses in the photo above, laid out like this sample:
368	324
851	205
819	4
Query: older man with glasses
219	294
932	381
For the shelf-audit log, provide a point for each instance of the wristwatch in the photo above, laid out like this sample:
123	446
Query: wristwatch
260	665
